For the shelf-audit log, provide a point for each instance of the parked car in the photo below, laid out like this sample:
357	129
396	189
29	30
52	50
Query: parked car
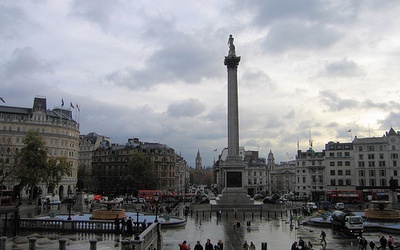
259	196
312	206
339	206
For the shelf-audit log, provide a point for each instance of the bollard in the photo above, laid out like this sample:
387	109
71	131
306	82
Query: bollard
264	246
93	244
244	215
3	240
32	243
62	244
124	243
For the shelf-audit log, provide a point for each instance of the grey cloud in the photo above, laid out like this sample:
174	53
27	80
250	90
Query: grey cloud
290	114
287	35
180	58
334	102
12	18
255	78
187	108
391	120
98	12
25	62
342	68
381	105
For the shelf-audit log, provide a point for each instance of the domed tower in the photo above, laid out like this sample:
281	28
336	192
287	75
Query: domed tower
198	161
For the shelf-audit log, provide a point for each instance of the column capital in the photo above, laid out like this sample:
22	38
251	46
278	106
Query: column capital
232	62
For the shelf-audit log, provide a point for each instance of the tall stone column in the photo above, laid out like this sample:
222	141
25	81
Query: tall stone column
234	194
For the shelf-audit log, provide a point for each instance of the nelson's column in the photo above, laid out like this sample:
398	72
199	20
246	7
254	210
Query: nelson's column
233	194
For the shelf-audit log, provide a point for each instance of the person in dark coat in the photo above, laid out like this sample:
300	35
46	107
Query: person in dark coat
383	242
372	244
294	246
208	245
129	225
116	223
198	246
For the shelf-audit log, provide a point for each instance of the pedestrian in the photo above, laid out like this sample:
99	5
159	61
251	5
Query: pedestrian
116	224
184	246
323	237
301	243
152	247
123	224
238	225
364	243
294	246
216	247
208	245
372	244
383	242
252	246
220	244
390	242
198	246
245	245
129	226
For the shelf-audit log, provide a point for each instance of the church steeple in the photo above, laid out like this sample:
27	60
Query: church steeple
198	161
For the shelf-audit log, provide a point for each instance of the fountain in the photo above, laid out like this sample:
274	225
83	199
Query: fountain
108	213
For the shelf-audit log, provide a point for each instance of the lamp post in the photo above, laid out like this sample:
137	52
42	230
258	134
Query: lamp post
138	204
156	198
70	201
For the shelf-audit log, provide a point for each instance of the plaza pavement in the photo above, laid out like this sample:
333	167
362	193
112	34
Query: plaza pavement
275	232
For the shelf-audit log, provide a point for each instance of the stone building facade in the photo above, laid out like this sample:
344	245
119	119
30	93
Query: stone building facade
57	128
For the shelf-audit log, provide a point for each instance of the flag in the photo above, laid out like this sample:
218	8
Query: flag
215	150
348	131
1	99
77	106
62	102
72	105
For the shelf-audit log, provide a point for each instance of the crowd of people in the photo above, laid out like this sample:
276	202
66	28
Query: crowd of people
207	246
383	243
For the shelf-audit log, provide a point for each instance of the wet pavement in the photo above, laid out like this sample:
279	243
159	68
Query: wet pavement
276	232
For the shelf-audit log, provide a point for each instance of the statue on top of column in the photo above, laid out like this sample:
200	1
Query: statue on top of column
231	46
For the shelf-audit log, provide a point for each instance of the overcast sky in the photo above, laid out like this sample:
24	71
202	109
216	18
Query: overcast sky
154	69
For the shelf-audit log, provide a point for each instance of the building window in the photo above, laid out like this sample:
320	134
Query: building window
372	182
348	182
370	148
393	147
339	154
363	182
382	163
371	156
371	172
361	164
381	156
360	148
332	172
382	172
332	163
394	163
340	163
331	154
371	164
348	172
304	179
340	172
340	182
395	172
347	154
360	157
347	163
333	182
361	172
394	156
382	182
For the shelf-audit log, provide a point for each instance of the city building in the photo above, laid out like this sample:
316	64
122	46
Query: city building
110	160
57	128
87	144
198	161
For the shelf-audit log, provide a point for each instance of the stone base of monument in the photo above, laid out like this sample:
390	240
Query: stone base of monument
235	198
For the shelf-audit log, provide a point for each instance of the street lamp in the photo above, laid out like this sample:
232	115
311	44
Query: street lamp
70	202
138	205
156	198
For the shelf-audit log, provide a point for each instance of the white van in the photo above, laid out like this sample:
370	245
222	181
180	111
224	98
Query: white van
339	206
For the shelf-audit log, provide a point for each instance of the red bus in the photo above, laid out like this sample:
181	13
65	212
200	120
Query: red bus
148	195
7	197
345	196
381	194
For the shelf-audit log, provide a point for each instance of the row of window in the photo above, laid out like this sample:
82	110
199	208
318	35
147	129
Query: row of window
340	172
